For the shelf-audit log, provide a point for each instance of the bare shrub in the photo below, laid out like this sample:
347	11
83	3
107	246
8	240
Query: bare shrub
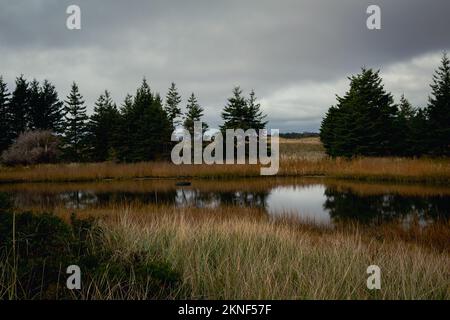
32	147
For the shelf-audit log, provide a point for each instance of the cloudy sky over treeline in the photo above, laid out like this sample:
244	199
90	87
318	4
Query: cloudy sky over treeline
296	54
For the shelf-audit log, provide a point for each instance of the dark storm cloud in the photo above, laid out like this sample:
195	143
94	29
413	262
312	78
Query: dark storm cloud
295	54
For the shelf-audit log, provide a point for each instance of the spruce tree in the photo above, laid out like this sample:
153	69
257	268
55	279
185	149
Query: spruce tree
328	131
34	104
364	120
137	119
46	110
419	129
172	106
242	113
403	128
19	107
439	110
194	112
125	129
254	115
156	131
75	131
405	109
5	128
102	129
151	129
235	114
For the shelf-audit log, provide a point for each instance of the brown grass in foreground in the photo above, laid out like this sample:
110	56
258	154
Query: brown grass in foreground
435	235
386	169
239	254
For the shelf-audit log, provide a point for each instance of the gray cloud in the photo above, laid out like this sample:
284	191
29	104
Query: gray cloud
295	54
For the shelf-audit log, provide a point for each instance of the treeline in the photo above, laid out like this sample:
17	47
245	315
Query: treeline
36	126
367	122
299	135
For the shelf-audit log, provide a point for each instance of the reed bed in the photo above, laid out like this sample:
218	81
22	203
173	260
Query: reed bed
251	257
241	253
371	169
298	158
434	235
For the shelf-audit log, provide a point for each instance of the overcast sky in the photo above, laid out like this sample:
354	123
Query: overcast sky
296	54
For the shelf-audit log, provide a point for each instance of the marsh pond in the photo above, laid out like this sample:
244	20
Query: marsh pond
323	201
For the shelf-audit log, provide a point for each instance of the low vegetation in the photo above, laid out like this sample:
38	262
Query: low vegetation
382	169
251	258
31	148
229	253
36	249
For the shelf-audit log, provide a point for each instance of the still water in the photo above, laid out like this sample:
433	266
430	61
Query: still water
320	200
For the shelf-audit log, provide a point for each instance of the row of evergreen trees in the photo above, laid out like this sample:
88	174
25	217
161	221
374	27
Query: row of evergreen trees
367	122
138	130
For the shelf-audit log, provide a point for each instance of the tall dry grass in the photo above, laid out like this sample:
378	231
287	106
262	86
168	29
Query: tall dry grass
298	158
241	253
249	257
377	169
385	169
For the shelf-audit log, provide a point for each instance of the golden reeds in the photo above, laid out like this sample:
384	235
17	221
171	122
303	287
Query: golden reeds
377	169
250	257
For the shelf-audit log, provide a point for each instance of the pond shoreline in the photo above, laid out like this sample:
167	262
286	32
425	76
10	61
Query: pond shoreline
432	171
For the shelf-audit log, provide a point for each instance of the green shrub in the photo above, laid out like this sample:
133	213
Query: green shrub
5	202
39	247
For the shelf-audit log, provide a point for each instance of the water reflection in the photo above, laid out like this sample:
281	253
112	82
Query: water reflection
344	205
322	201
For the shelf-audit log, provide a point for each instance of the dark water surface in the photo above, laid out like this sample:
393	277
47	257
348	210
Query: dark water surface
321	200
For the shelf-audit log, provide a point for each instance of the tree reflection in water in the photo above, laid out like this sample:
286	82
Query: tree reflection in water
335	201
348	205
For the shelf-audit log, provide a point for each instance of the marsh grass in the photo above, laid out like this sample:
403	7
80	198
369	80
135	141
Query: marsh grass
369	169
305	148
253	257
35	266
241	253
298	158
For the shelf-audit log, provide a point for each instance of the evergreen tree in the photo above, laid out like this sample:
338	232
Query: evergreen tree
19	107
439	110
135	118
46	110
124	135
194	112
241	113
102	129
419	129
173	100
151	128
364	120
404	133
5	129
328	131
156	132
406	110
254	117
34	103
235	113
75	131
